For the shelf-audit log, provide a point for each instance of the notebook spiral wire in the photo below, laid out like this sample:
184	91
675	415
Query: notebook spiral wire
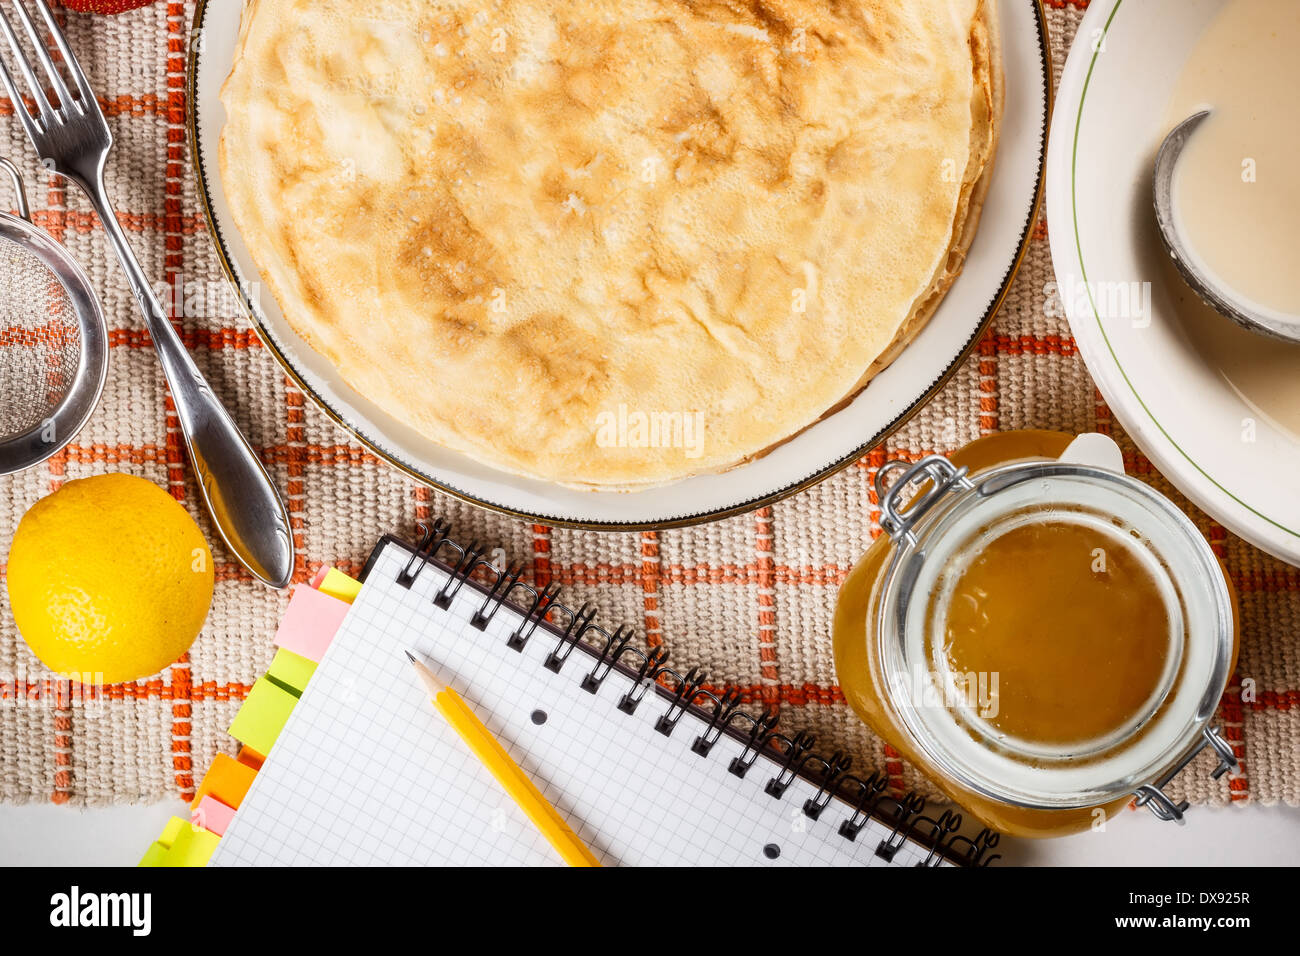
868	798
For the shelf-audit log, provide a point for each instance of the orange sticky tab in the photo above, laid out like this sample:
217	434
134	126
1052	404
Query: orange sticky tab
250	757
227	780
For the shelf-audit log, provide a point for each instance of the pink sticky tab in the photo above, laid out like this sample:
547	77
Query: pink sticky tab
212	814
319	576
310	622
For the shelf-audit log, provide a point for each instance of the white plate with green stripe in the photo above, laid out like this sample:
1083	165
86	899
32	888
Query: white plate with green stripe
1151	348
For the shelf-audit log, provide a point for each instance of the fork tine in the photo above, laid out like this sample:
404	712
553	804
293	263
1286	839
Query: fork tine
69	58
38	94
43	54
20	107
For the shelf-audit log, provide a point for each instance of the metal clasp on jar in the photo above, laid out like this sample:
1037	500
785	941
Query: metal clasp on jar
939	471
1153	796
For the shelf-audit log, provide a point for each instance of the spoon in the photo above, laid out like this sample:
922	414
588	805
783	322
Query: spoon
1214	293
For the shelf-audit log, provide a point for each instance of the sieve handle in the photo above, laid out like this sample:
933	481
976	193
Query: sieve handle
24	210
246	509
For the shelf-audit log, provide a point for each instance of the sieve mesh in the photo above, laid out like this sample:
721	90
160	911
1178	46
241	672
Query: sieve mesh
40	341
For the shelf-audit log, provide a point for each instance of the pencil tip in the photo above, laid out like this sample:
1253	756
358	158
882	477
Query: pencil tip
410	657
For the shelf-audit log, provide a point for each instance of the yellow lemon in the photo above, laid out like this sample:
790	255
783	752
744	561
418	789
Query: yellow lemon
109	579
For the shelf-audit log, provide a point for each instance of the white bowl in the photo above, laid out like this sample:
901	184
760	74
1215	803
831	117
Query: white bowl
1203	432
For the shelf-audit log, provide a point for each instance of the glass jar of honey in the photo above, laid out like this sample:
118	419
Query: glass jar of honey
1042	636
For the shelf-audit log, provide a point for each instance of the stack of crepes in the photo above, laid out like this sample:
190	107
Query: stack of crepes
505	222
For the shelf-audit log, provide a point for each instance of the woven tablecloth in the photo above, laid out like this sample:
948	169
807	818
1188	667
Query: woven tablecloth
749	599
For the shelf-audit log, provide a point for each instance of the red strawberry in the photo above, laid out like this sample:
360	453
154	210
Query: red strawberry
104	6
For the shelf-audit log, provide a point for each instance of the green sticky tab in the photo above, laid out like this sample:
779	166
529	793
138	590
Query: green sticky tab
156	855
338	585
262	717
193	846
291	671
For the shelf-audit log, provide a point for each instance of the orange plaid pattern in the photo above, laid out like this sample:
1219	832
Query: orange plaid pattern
748	599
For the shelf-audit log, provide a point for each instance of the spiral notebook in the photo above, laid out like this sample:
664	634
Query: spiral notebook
646	762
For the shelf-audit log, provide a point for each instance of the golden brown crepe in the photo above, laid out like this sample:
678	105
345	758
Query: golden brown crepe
610	244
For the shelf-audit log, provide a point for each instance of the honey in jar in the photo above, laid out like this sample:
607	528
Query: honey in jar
1071	621
1043	639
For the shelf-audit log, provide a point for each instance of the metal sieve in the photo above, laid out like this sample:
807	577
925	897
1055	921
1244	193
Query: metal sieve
53	341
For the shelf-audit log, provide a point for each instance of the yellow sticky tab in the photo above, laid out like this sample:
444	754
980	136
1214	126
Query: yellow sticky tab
173	827
338	585
291	671
262	717
154	856
160	850
192	847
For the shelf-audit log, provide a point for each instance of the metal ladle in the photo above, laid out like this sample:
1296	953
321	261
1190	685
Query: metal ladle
1215	295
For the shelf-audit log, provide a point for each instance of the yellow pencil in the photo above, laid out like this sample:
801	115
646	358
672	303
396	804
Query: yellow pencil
480	740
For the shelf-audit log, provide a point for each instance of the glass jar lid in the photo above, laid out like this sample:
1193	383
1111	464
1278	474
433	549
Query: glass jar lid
946	525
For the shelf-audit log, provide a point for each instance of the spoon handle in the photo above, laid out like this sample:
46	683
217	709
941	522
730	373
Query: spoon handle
246	508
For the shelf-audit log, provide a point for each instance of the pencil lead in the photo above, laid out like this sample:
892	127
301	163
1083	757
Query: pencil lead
410	657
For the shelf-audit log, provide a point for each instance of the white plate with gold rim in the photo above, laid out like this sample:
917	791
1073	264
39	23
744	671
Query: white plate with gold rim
832	444
1215	408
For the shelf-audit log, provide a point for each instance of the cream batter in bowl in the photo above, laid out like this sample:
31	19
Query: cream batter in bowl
1235	193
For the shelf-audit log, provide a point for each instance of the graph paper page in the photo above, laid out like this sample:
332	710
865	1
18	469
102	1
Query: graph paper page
365	772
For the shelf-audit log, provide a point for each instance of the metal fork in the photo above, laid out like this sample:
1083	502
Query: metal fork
73	140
